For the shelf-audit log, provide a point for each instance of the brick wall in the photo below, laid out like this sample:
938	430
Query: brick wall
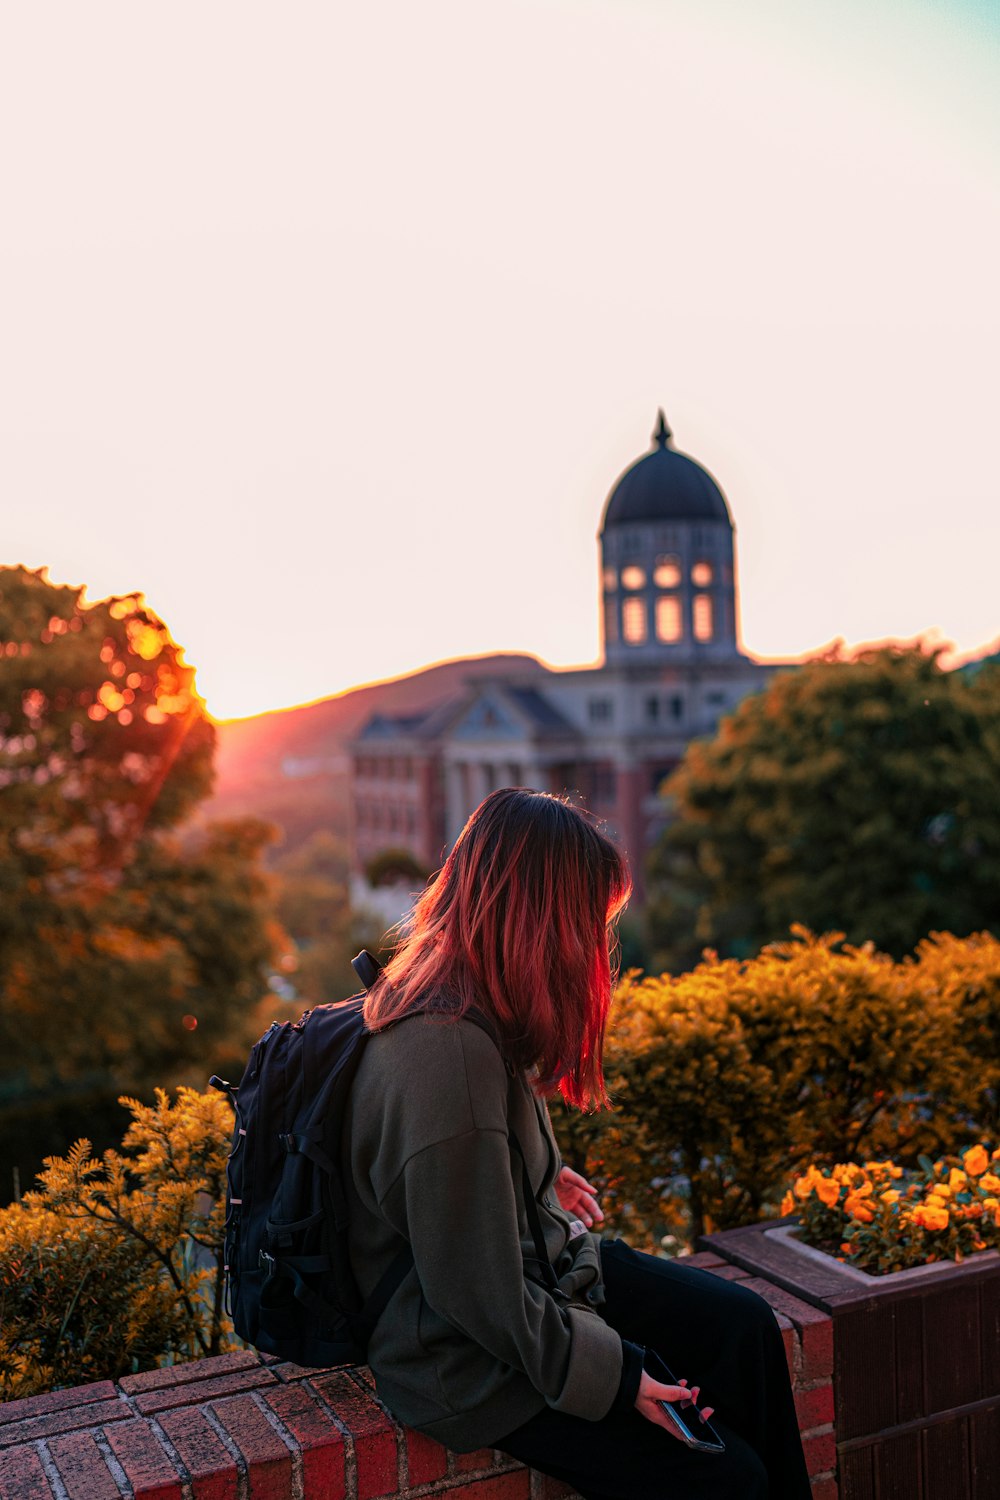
243	1427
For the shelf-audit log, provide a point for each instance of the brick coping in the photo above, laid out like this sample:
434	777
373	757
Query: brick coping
245	1427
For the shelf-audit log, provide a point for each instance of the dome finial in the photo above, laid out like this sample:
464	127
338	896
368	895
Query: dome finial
662	435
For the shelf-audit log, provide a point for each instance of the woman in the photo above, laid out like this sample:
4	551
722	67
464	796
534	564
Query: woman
497	998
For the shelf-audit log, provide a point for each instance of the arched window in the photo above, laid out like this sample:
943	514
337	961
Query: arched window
634	626
610	578
669	624
633	577
703	621
702	575
667	573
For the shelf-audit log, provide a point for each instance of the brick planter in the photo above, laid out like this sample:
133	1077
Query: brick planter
916	1365
245	1427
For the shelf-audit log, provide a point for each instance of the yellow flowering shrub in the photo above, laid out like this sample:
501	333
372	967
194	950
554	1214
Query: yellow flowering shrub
729	1079
882	1218
115	1265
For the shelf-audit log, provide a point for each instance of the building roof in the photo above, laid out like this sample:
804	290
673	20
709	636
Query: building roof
665	485
540	711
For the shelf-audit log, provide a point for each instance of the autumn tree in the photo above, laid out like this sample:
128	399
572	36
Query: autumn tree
858	795
313	904
130	956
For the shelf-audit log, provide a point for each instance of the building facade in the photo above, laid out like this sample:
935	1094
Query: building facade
606	735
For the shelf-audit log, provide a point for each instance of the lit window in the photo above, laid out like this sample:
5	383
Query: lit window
634	621
703	617
667	573
610	621
701	575
668	618
610	578
633	577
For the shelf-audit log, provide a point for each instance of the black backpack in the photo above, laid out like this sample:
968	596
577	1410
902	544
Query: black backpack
290	1288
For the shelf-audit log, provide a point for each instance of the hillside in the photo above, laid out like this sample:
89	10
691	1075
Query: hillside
291	767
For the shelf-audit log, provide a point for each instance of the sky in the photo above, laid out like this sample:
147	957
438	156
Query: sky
329	327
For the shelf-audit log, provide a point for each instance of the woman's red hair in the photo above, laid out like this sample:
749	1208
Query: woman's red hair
517	924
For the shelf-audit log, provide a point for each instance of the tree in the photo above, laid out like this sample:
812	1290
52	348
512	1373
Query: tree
314	908
129	956
859	795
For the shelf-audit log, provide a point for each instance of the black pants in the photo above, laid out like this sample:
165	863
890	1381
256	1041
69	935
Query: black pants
714	1333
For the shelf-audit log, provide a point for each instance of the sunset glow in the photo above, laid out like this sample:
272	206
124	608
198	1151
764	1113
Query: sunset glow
331	332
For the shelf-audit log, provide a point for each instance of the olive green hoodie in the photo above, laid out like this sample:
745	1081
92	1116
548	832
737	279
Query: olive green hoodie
469	1347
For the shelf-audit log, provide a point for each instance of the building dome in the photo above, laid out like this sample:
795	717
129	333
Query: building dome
665	486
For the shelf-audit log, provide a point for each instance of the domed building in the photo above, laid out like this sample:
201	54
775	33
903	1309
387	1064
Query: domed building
667	573
608	735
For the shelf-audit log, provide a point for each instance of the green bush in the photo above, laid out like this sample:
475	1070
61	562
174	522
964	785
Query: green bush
115	1265
731	1078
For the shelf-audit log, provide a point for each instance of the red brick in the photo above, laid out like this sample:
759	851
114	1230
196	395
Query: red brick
817	1351
788	1339
193	1370
268	1461
49	1401
825	1488
426	1460
514	1485
22	1476
320	1441
82	1468
820	1452
467	1462
198	1392
70	1420
149	1469
373	1434
203	1453
288	1371
729	1272
815	1330
814	1407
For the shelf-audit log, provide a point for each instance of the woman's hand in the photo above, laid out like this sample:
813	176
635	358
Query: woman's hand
651	1392
578	1197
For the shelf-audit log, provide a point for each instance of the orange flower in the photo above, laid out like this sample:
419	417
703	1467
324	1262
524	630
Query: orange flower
990	1182
855	1205
788	1204
975	1161
804	1185
891	1195
929	1217
827	1192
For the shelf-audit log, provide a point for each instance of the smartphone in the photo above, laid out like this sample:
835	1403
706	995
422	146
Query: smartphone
685	1418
